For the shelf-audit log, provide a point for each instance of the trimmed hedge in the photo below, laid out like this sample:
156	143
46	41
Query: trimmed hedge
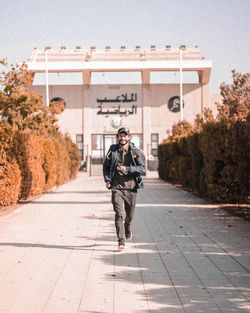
213	163
74	157
49	163
225	149
10	175
30	164
61	160
29	156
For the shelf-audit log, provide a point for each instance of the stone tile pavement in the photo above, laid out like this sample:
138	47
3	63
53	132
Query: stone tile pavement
59	253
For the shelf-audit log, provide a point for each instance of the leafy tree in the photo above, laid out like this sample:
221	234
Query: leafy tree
179	130
199	122
21	108
236	99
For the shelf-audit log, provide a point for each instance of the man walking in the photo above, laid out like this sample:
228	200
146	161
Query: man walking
122	169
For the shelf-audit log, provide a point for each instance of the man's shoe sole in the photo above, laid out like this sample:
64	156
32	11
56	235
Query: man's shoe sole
121	245
121	248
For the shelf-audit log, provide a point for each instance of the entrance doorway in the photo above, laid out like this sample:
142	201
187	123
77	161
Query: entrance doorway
99	149
100	146
108	141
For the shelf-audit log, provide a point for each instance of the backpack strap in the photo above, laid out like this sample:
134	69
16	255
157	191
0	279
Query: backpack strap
133	148
138	178
113	148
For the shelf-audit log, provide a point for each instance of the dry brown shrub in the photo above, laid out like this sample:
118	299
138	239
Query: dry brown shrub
50	163
29	155
10	178
74	156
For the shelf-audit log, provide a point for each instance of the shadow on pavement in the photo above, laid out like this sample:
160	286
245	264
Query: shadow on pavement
46	246
97	192
71	202
189	293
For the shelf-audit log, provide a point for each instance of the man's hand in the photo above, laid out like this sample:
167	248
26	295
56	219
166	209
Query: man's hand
123	169
108	185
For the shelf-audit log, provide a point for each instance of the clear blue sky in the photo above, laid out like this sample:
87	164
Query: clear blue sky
220	28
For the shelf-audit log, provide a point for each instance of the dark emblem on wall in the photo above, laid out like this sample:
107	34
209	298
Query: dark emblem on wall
174	104
58	99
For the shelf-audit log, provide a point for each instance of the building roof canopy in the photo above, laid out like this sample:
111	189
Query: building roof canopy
94	60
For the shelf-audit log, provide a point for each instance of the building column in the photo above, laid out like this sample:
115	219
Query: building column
86	118
146	111
204	77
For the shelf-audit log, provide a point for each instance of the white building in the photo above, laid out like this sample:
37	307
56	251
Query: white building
94	112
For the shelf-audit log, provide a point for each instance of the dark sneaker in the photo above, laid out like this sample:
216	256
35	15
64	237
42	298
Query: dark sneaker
128	232
121	245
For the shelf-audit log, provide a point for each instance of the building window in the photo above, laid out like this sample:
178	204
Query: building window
79	138
97	150
79	142
154	144
137	140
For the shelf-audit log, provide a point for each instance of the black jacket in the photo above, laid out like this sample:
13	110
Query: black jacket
136	164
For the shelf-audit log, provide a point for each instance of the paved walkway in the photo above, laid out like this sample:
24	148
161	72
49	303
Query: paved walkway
58	253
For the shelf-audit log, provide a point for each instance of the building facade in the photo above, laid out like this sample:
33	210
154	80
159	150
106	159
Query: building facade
93	113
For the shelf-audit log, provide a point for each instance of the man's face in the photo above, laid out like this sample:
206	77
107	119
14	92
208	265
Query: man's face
123	138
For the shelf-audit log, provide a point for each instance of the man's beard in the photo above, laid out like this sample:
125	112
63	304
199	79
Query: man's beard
123	144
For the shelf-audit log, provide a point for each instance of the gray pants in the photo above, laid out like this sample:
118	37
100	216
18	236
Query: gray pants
123	202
